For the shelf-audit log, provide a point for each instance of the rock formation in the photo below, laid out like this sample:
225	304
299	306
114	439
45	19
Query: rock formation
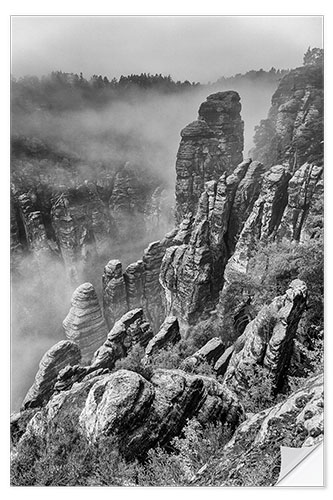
154	411
35	232
192	273
302	192
114	293
84	323
127	203
82	225
86	209
265	217
295	422
267	341
222	362
153	296
54	360
293	131
139	412
209	353
133	277
128	331
168	335
210	146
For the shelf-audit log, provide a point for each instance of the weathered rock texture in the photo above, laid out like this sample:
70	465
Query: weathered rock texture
268	340
265	217
303	193
133	277
128	331
141	413
145	413
210	146
84	323
54	360
192	273
168	335
293	132
295	422
114	292
288	207
209	353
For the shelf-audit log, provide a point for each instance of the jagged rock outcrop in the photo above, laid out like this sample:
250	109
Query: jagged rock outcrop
84	323
76	373
54	360
35	232
295	422
209	353
133	277
210	147
302	193
82	225
87	208
168	335
141	413
267	341
247	193
114	292
265	218
128	331
153	296
293	132
144	413
127	203
192	273
222	363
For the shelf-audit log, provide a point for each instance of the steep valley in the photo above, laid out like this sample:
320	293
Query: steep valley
166	317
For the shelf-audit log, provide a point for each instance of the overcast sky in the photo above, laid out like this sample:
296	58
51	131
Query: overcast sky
194	48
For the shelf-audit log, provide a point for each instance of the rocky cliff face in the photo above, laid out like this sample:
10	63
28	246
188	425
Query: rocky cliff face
267	341
139	412
210	146
304	193
258	439
281	211
225	207
192	273
293	131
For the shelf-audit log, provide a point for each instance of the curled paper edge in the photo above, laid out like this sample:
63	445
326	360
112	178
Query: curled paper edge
292	457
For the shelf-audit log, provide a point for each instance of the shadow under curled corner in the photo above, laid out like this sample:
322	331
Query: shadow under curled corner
302	466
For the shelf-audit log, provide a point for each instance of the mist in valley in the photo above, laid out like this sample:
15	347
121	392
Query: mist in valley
145	131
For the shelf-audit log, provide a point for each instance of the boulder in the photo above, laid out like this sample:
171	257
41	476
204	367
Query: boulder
146	413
